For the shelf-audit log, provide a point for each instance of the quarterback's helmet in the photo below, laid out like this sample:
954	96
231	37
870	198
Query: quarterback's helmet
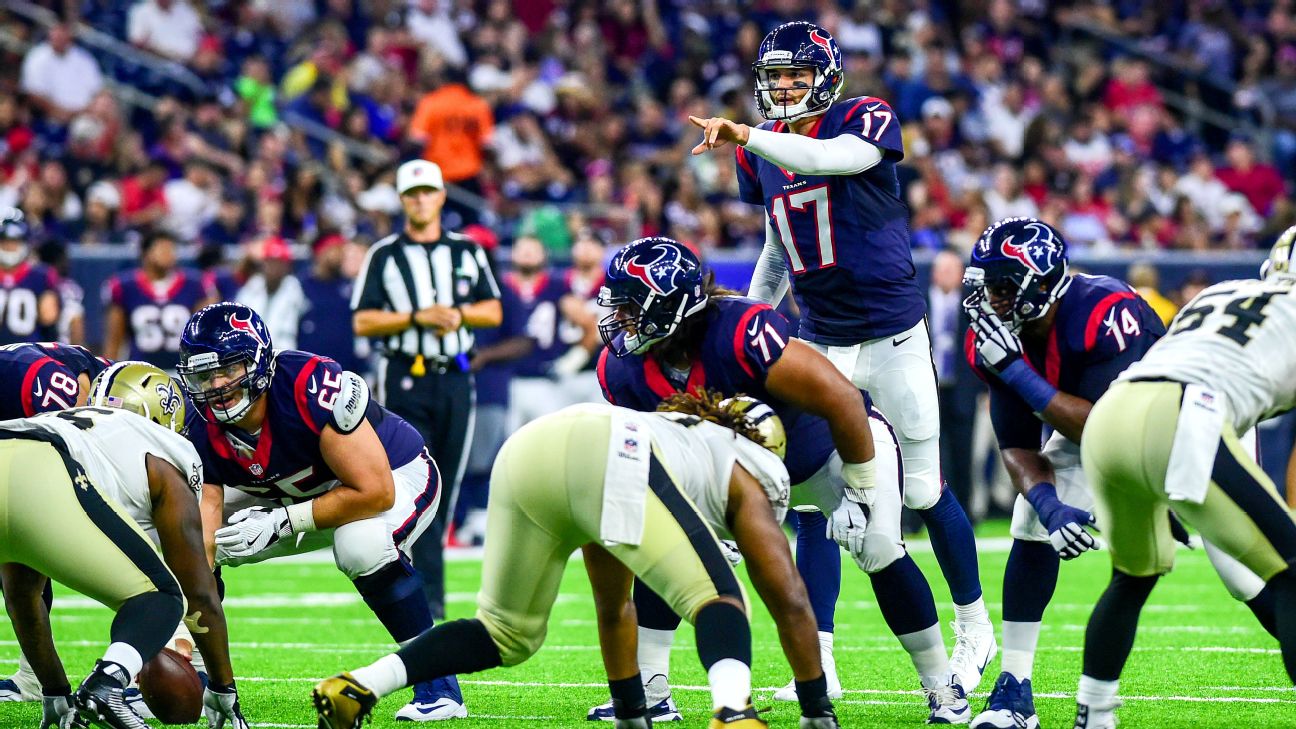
799	45
764	419
13	227
1279	262
1022	261
224	350
142	389
652	285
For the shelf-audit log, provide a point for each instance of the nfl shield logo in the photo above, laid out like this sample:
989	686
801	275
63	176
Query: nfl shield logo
256	469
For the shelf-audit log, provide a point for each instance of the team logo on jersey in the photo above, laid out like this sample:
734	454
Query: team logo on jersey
245	325
1039	254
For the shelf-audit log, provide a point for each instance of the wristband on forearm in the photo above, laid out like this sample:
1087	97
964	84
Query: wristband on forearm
302	516
1025	381
1043	498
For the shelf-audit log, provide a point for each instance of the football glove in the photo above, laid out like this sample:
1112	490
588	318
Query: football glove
252	530
731	551
56	711
221	703
1179	531
995	342
1065	524
846	526
860	479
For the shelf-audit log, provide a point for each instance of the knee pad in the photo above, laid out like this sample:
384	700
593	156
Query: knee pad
363	547
879	552
922	473
517	640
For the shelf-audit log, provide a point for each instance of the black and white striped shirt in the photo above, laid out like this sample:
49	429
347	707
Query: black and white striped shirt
402	275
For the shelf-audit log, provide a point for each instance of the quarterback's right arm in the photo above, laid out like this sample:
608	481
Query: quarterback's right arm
769	281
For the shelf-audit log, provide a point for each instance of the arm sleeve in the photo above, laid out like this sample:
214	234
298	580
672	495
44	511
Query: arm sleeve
847	154
1015	424
769	281
368	291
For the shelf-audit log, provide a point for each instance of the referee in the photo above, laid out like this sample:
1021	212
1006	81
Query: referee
423	291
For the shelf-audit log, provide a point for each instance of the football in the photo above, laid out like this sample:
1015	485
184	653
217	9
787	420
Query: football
171	688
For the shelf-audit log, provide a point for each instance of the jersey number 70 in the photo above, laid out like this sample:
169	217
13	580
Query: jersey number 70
811	197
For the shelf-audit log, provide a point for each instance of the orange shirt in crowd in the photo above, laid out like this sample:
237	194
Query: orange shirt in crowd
454	124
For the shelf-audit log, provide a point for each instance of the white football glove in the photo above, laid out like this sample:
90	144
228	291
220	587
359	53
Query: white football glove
860	479
995	342
1072	539
252	530
219	706
56	711
846	526
731	552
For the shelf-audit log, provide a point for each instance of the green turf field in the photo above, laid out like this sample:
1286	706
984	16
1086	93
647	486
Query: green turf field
1200	660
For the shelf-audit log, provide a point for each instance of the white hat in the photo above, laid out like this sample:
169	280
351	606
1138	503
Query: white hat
937	106
418	173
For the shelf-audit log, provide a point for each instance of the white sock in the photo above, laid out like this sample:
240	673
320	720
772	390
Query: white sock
1019	641
654	652
384	676
730	681
926	648
125	655
825	647
1095	694
973	612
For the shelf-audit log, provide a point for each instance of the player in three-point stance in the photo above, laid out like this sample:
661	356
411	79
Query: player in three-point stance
826	174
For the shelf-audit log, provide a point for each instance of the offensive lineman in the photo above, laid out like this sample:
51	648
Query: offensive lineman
1166	435
826	175
640	494
78	488
29	297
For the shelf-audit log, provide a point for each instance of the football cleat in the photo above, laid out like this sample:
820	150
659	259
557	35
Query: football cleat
100	702
135	700
974	648
22	686
948	703
726	718
1092	717
788	692
1010	706
664	710
342	703
434	700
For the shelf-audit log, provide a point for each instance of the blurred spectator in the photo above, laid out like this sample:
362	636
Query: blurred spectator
429	21
1260	183
957	384
59	77
71	322
143	199
191	202
275	293
1007	117
1144	279
1007	199
169	28
1194	284
453	124
257	90
327	291
230	226
1280	92
1130	87
1203	190
103	201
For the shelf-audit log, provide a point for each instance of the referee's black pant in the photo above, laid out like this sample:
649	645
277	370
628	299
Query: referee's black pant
440	405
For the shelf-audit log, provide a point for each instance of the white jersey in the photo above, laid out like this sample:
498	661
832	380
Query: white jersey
1238	339
110	445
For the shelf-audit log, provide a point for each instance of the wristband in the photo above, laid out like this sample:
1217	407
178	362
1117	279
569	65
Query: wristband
860	479
218	688
1042	498
1035	390
302	516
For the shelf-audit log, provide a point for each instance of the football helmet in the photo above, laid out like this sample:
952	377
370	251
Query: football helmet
225	349
13	227
1279	262
652	285
142	389
1019	260
764	419
799	45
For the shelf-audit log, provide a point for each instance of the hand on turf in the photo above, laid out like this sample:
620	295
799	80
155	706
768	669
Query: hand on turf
219	706
252	530
56	711
995	342
846	526
717	131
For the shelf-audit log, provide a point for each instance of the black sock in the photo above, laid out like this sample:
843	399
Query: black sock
459	646
721	631
628	700
1110	634
147	621
1263	607
813	697
1283	586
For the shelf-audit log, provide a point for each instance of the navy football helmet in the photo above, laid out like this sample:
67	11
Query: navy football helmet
225	350
652	285
13	227
1021	261
799	45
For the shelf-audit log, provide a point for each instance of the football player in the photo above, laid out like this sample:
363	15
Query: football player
29	294
825	171
149	306
1166	435
79	488
308	460
673	330
1048	343
642	494
43	377
563	329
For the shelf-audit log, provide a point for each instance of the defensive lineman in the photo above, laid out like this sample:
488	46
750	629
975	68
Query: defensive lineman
1166	436
826	174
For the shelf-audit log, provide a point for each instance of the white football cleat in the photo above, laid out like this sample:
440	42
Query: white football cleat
788	692
661	707
22	686
435	700
974	648
948	703
1092	717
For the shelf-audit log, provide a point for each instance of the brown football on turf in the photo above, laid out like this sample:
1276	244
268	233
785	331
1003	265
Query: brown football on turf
171	688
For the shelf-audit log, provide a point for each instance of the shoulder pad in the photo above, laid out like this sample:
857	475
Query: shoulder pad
351	403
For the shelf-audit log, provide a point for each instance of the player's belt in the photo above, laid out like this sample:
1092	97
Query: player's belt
437	364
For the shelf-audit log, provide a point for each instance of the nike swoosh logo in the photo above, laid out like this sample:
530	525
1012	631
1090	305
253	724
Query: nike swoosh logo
984	663
898	342
39	390
751	330
873	107
313	387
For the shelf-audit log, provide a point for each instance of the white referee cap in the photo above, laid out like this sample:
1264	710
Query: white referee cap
418	173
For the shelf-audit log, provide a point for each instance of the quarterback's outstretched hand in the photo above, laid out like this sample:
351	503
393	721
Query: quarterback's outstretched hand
1065	524
252	530
717	131
998	346
221	703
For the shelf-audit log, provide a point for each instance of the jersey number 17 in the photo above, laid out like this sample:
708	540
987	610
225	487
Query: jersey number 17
815	198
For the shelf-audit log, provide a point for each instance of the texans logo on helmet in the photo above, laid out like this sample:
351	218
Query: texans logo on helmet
819	40
245	325
644	273
1039	254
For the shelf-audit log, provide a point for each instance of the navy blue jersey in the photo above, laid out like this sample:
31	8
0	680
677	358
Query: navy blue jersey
287	465
40	378
156	312
1102	326
845	237
545	324
743	339
492	381
20	291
